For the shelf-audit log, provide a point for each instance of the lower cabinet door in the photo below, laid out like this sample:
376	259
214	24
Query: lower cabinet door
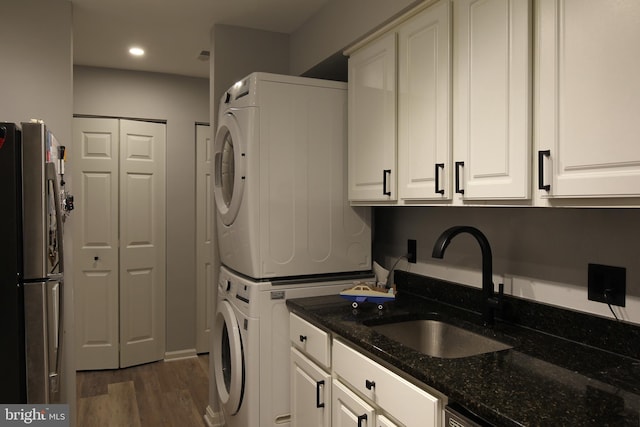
310	393
382	421
348	410
404	401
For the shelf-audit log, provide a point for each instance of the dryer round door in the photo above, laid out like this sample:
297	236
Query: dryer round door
229	168
228	358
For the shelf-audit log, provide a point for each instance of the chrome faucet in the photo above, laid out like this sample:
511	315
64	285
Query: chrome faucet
490	301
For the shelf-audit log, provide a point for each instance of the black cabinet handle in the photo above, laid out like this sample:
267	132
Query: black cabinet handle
369	384
319	384
438	167
458	166
303	338
384	182
541	155
362	418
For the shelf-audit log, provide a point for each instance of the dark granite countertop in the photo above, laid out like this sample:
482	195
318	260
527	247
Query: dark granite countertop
564	368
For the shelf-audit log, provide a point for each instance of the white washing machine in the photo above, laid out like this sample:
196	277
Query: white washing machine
281	180
251	346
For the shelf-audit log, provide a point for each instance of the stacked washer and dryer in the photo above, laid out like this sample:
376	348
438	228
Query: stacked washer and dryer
285	230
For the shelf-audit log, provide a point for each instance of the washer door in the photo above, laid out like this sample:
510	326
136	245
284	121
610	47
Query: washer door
228	358
229	168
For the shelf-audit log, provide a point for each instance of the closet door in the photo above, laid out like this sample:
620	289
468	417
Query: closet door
95	244
142	240
119	242
206	249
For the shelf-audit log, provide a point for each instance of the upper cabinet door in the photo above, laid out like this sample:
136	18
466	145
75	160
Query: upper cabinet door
492	101
588	98
424	93
372	121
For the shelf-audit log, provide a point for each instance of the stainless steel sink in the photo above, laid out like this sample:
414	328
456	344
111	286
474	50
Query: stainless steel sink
439	339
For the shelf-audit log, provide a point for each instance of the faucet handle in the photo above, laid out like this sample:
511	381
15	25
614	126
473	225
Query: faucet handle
495	302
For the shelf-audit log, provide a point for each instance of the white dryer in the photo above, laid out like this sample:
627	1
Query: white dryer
280	180
251	347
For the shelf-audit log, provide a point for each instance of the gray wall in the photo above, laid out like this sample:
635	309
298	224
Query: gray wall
36	72
36	82
546	249
181	101
238	51
543	243
335	26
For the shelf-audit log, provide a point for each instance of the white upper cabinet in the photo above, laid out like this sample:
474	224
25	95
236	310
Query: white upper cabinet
424	94
588	98
372	121
492	101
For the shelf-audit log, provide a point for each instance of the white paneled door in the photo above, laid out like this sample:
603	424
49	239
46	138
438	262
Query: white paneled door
95	247
142	242
119	242
206	270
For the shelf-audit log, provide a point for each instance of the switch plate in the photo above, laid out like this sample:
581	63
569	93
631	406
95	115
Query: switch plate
411	251
607	284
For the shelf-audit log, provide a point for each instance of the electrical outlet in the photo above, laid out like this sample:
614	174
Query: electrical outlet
411	251
607	284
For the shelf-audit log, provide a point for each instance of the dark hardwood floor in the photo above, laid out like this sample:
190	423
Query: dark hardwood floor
156	394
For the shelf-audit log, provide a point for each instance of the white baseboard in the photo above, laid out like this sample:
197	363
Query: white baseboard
170	356
213	419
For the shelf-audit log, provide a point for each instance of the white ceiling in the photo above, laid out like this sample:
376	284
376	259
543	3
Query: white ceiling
173	32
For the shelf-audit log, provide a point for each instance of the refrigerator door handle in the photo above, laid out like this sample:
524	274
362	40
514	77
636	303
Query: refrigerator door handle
51	177
52	180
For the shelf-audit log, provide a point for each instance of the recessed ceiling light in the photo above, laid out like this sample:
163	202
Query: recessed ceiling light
136	51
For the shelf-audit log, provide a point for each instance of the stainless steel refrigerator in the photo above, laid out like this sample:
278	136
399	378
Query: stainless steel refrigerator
31	265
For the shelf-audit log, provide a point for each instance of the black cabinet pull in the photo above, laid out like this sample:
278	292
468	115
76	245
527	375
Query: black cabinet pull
362	418
369	384
438	167
319	384
303	338
384	182
458	166
541	155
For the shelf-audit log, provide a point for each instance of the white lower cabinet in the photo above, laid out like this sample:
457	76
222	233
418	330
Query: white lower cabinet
349	389
310	393
382	421
348	410
390	394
